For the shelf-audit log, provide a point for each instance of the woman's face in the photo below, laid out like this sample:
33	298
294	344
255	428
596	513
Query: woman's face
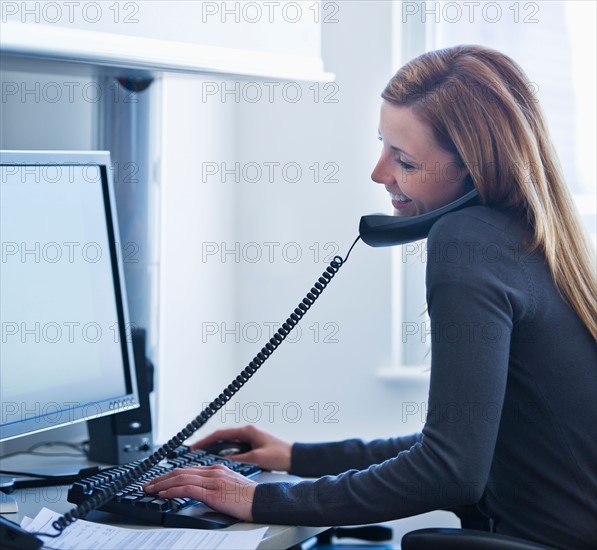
418	174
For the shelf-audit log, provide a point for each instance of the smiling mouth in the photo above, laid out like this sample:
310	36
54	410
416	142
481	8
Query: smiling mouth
400	198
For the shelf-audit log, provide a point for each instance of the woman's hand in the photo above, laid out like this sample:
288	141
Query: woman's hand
217	486
267	451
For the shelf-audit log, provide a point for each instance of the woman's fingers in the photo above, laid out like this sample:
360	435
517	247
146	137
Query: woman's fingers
261	456
267	451
249	456
217	486
191	474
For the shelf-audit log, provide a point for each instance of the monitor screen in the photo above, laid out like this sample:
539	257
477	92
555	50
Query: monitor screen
66	350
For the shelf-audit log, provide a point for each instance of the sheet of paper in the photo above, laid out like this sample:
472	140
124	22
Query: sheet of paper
85	534
26	521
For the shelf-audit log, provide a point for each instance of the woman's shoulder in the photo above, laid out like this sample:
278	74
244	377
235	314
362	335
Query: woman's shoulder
479	217
476	222
480	239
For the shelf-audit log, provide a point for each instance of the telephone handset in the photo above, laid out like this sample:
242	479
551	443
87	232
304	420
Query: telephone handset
383	230
375	230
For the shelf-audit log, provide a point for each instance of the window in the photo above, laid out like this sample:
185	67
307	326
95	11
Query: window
554	42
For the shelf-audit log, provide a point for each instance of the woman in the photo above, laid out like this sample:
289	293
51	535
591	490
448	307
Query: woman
511	293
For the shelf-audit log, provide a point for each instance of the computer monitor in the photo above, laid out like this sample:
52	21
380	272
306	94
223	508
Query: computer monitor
66	351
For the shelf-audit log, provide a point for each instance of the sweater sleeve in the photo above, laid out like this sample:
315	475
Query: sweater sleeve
317	459
471	323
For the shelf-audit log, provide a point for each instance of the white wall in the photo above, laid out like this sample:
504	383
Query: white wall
282	27
46	110
308	390
189	371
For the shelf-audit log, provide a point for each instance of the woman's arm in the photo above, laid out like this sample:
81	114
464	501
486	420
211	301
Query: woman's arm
308	459
318	459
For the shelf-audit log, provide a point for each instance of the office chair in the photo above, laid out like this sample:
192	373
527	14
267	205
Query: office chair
464	539
474	534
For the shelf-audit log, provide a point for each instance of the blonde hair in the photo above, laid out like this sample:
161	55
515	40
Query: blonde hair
481	108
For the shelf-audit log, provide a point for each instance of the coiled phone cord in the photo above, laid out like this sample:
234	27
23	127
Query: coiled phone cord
103	495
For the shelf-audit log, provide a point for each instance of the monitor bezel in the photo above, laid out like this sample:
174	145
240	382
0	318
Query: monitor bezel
118	403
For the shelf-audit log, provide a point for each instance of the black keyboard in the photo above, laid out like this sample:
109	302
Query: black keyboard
132	501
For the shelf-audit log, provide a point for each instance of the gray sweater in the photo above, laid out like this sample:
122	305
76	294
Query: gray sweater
512	421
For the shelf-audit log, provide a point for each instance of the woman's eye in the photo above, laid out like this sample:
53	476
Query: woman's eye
405	165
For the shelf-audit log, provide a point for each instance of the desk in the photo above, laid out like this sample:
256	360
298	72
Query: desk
30	501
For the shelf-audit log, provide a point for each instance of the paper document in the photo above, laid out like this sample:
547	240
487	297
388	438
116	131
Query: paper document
85	534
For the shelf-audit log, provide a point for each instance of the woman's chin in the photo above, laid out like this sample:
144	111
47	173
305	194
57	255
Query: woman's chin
404	209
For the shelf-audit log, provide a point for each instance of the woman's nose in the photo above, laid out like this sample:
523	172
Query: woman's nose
380	173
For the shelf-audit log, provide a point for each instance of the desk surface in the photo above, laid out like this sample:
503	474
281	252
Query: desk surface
30	501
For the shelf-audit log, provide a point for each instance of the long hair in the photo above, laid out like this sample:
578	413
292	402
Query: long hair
481	108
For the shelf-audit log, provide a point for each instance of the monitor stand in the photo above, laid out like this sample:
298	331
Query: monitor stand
8	504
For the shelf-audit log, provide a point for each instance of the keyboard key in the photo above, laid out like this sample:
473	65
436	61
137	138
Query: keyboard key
178	503
159	505
144	501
